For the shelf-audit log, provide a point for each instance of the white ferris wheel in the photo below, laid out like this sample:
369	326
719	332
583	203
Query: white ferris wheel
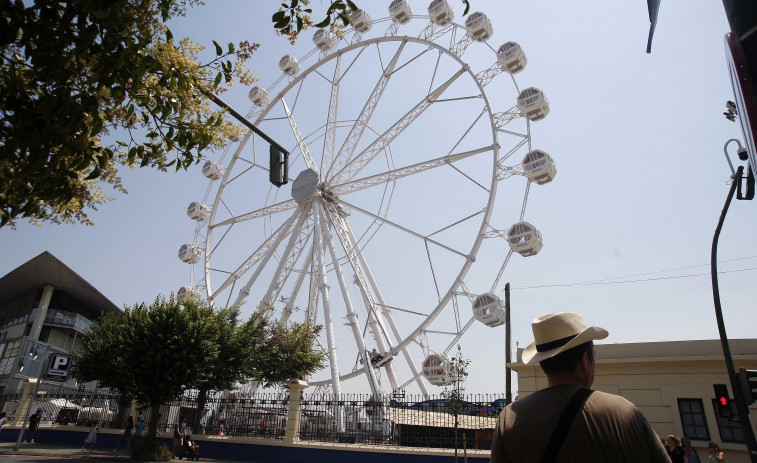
390	231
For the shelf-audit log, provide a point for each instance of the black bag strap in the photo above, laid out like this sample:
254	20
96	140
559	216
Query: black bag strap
563	426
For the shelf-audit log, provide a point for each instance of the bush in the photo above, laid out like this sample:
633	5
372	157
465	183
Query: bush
142	448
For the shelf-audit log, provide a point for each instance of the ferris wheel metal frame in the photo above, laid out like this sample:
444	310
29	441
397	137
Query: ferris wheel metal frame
319	215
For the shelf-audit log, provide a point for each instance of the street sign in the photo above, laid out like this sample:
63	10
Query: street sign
59	367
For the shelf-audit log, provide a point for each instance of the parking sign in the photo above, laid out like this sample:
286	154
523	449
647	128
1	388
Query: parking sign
59	366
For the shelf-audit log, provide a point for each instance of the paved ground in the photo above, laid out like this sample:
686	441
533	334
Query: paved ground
57	454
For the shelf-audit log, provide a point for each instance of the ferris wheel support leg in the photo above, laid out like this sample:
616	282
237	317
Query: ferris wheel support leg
374	318
283	231
387	313
324	291
352	316
267	300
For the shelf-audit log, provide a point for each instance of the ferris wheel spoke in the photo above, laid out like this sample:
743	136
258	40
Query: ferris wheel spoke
380	179
404	229
356	132
367	155
329	139
262	212
259	257
298	136
289	306
288	258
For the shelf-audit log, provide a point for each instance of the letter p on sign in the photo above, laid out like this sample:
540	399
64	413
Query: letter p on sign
59	366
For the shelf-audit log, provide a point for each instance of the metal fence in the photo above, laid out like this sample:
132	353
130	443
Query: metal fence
414	421
406	420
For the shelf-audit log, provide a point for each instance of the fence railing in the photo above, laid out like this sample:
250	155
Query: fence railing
415	421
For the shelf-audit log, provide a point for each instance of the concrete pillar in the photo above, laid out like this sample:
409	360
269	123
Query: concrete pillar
24	402
292	432
39	319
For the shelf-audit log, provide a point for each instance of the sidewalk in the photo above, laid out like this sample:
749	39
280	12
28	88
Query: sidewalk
59	451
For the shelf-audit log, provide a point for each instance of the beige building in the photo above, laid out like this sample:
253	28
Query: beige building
671	383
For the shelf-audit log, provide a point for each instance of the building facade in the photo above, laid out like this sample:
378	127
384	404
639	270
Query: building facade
45	307
672	384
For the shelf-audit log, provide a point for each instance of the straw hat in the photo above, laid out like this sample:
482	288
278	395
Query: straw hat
557	332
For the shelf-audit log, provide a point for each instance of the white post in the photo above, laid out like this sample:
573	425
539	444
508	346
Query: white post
292	432
39	318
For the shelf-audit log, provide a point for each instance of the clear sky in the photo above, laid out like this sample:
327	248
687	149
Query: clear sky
637	138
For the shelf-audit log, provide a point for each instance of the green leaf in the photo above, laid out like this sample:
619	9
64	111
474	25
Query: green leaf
278	16
324	23
218	78
219	50
295	3
169	35
283	23
299	23
231	48
352	5
94	174
467	7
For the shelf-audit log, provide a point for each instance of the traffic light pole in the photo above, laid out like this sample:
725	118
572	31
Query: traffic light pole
244	121
746	425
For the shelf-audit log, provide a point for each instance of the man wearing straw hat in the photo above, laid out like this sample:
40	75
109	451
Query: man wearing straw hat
567	421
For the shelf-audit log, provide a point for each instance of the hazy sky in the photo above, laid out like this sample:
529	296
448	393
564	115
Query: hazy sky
627	223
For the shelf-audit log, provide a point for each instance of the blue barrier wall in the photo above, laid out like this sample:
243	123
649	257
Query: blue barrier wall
258	451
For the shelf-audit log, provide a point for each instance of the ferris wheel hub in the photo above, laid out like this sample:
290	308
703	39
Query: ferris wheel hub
305	186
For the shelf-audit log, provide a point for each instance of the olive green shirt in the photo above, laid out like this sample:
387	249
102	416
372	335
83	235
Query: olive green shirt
608	429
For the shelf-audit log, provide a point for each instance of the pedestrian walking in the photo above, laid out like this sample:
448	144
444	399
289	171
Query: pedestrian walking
34	421
2	419
675	451
567	421
716	455
91	436
126	434
179	433
140	426
691	452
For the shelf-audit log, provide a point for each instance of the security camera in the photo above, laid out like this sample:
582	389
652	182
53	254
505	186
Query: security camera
743	154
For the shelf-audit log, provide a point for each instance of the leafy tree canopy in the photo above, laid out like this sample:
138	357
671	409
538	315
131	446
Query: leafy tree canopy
71	72
153	353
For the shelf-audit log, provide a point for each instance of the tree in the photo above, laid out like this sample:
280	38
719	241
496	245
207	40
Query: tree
454	393
72	72
154	353
291	353
160	350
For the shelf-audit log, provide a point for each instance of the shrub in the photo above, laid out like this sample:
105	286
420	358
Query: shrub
142	448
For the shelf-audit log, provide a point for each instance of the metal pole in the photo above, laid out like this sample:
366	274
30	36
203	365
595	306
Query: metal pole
746	426
34	396
244	121
508	372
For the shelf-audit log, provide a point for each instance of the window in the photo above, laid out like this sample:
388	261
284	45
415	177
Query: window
730	430
693	420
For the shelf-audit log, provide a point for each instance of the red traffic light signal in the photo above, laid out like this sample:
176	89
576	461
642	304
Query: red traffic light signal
723	400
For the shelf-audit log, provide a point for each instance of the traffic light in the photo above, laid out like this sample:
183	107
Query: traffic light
748	385
279	167
723	400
